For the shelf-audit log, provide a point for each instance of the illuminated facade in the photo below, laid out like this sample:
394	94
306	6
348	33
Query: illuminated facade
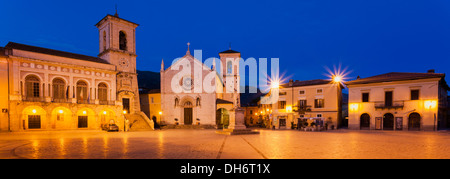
308	99
398	101
46	89
193	105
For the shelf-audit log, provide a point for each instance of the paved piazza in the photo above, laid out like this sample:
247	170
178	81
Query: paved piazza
206	144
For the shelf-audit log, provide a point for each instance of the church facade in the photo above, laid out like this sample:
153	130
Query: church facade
46	89
195	94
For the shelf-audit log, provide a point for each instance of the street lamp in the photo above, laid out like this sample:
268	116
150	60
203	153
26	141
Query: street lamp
160	119
124	121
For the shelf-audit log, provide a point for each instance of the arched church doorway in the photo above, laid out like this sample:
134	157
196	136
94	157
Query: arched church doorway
188	114
222	118
414	122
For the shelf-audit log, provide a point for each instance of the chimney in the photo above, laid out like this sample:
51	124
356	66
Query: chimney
358	77
291	82
431	71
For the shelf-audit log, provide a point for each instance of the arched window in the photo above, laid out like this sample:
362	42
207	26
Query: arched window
59	90
198	102
229	67
102	93
32	85
122	41
82	93
176	102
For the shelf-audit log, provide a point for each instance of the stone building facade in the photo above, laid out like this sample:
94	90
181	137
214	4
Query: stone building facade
398	101
46	89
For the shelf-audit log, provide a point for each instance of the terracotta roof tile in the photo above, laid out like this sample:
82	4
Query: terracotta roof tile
29	48
395	76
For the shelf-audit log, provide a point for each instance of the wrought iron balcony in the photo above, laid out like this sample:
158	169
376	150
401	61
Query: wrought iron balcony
389	105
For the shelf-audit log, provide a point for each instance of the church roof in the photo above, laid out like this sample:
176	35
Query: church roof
230	51
221	101
29	48
307	83
109	15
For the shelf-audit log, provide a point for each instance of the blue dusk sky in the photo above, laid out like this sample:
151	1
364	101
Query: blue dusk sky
369	37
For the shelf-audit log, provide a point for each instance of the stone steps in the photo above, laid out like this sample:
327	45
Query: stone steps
137	123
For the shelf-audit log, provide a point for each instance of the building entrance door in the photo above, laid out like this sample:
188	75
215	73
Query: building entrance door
126	105
187	116
414	122
388	121
34	121
82	121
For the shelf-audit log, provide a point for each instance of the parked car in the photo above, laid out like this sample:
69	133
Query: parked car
112	128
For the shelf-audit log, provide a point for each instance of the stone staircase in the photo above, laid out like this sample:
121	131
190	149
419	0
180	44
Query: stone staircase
139	122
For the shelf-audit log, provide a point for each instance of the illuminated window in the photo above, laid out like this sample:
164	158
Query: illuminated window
32	85
319	103
59	89
319	91
59	117
102	93
82	93
281	104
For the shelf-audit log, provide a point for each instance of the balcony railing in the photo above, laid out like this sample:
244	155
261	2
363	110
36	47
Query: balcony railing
33	99
389	105
107	102
61	100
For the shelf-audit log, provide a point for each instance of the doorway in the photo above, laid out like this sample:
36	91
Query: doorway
414	122
34	121
126	105
188	116
388	121
364	123
222	118
82	121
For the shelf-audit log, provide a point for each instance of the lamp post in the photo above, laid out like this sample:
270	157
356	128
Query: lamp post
160	119
124	121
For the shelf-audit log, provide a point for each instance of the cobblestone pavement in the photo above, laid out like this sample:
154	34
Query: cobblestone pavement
206	144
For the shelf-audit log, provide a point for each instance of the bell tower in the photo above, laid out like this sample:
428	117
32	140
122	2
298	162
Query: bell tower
230	72
117	45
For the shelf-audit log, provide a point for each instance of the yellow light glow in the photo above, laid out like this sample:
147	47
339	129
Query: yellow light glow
354	106
256	113
288	108
104	112
160	112
275	84
84	112
337	79
61	111
430	104
124	112
34	111
267	110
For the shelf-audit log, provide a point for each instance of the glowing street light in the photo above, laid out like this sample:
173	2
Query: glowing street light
337	79
275	84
